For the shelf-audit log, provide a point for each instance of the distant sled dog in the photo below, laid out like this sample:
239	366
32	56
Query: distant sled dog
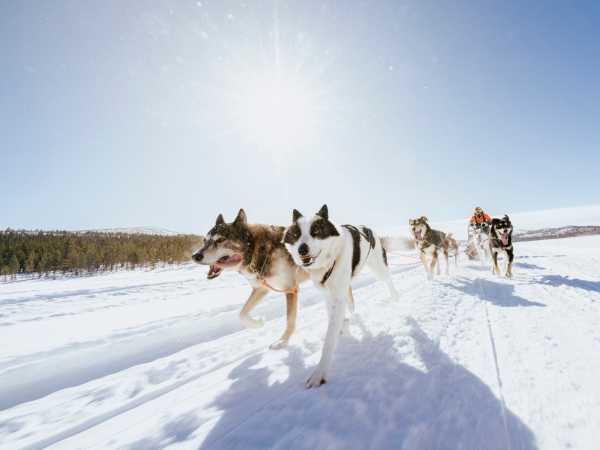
257	252
501	243
333	255
478	246
429	242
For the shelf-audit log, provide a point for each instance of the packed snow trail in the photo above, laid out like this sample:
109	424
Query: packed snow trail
149	360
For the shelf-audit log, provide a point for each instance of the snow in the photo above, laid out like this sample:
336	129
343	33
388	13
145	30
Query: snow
158	359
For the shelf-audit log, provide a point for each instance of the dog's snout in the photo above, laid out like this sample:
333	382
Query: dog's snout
198	256
303	249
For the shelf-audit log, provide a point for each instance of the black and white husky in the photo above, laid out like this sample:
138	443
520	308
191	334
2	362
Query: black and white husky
501	243
333	255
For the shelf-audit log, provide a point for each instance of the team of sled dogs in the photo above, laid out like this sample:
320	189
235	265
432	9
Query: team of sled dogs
276	258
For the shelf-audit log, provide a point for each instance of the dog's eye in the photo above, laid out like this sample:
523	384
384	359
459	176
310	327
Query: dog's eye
292	234
316	229
322	229
218	241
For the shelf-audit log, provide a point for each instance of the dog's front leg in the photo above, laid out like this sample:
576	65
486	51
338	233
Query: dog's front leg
337	311
350	300
511	256
495	268
256	296
434	261
292	310
447	264
424	262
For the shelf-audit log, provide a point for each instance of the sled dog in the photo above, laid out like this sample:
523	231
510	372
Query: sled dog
333	255
257	252
501	242
453	248
479	242
429	242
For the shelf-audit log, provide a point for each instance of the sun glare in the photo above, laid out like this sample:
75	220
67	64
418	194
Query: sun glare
276	111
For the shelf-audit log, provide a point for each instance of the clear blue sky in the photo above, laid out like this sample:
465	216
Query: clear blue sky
142	113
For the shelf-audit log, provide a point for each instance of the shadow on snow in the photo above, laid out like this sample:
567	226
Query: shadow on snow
374	401
528	266
500	294
559	280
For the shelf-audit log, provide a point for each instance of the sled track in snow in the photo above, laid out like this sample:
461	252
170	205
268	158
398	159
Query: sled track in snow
497	367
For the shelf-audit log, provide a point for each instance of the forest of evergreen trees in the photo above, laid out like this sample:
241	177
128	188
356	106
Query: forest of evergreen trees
48	253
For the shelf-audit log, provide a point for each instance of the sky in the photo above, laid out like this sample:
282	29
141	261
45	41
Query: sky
165	114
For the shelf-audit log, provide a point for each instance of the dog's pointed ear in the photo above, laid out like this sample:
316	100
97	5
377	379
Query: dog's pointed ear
296	215
323	212
220	220
241	218
506	217
424	219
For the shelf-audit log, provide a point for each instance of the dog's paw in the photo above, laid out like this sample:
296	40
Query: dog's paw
318	378
279	344
249	322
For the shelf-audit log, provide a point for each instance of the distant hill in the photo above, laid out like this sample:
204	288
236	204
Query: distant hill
556	233
136	230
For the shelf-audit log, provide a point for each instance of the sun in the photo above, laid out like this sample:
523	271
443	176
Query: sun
276	111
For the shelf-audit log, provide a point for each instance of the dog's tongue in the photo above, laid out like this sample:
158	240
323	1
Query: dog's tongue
418	234
504	239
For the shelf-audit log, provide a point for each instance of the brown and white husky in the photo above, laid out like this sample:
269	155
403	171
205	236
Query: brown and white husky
258	253
429	242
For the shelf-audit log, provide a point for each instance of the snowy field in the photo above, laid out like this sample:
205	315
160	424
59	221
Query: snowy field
158	359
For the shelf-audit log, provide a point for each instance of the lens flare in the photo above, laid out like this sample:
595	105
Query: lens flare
275	111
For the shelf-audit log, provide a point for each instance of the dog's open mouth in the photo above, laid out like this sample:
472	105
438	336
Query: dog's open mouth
504	239
418	235
225	261
308	260
214	272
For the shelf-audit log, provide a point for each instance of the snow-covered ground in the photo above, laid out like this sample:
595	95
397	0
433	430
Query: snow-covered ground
158	359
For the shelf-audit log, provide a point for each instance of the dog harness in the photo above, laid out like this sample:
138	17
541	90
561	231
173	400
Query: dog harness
328	273
266	284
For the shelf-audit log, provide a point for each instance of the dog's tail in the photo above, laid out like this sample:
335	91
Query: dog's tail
397	243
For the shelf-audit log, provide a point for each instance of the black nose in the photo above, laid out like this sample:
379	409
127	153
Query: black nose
303	249
197	256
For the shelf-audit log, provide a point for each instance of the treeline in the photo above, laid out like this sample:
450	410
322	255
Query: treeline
48	253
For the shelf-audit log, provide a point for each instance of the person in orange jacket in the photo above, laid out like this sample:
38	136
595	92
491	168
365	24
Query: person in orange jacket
477	222
479	217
